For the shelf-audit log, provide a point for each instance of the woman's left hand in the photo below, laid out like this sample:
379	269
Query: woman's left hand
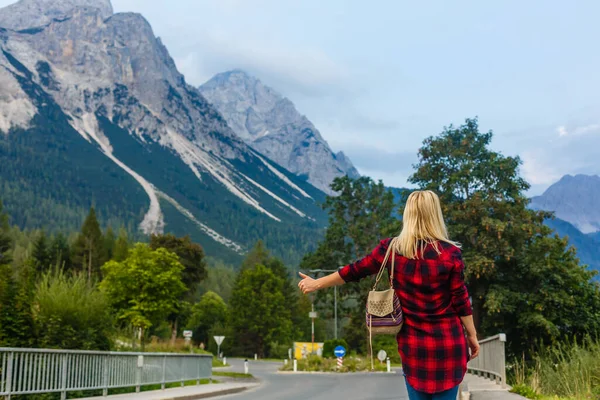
308	284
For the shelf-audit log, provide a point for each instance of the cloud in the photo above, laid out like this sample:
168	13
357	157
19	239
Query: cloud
562	131
578	131
308	71
536	170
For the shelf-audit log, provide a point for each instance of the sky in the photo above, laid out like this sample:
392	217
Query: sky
378	77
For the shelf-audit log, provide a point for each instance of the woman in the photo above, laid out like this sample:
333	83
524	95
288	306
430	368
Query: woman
429	281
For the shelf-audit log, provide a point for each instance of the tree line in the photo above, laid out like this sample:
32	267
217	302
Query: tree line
95	290
524	280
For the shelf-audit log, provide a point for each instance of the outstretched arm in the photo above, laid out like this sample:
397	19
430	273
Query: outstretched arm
308	284
354	272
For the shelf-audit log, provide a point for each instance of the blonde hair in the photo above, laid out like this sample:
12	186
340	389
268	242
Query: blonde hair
422	224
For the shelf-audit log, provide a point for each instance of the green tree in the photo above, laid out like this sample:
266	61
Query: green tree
259	315
88	249
144	288
5	238
191	256
220	279
260	255
16	320
121	249
521	278
360	216
109	243
41	253
208	312
60	252
71	314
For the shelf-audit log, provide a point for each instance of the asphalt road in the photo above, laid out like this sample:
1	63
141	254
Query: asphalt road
359	386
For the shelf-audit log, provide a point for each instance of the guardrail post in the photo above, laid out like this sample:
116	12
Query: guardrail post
164	373
9	374
503	358
63	378
181	371
138	373
199	364
105	376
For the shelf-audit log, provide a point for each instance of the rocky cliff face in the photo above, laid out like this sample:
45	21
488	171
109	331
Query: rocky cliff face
271	124
575	199
28	14
117	87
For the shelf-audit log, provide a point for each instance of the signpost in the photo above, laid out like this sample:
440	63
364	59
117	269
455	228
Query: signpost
340	352
219	340
312	315
188	337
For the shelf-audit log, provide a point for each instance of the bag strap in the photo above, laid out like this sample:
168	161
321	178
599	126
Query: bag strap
390	251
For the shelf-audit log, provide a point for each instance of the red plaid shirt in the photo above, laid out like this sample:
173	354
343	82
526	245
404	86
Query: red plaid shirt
431	289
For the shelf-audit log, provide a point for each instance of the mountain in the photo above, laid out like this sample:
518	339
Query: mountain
94	112
588	248
271	124
575	199
595	236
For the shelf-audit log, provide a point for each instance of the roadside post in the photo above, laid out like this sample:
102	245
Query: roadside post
312	315
340	352
389	365
219	340
246	366
295	365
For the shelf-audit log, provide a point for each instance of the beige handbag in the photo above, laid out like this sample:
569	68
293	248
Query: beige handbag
384	312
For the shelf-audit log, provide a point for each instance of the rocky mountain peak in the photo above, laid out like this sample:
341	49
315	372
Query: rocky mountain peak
271	124
574	199
26	14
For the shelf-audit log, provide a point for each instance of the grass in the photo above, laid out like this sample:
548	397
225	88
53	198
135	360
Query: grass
236	375
564	371
216	363
351	364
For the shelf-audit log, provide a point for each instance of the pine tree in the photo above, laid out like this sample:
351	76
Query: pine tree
16	320
109	243
41	253
5	238
60	253
88	250
121	249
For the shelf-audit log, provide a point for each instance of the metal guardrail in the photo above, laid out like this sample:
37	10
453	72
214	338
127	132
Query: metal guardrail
28	371
491	362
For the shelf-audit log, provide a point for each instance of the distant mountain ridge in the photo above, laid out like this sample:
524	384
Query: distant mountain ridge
575	199
271	124
93	111
588	247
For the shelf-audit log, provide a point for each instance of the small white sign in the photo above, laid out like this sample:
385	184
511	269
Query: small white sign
187	334
219	339
382	355
140	361
312	314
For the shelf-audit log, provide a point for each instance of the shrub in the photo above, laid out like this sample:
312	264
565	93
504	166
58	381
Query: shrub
277	350
71	313
389	344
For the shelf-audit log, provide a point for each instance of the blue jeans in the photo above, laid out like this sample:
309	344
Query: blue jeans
450	394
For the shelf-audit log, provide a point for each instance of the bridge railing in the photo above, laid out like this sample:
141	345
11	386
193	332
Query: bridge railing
28	371
491	362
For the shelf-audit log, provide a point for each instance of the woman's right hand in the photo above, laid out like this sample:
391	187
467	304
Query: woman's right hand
473	346
308	284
